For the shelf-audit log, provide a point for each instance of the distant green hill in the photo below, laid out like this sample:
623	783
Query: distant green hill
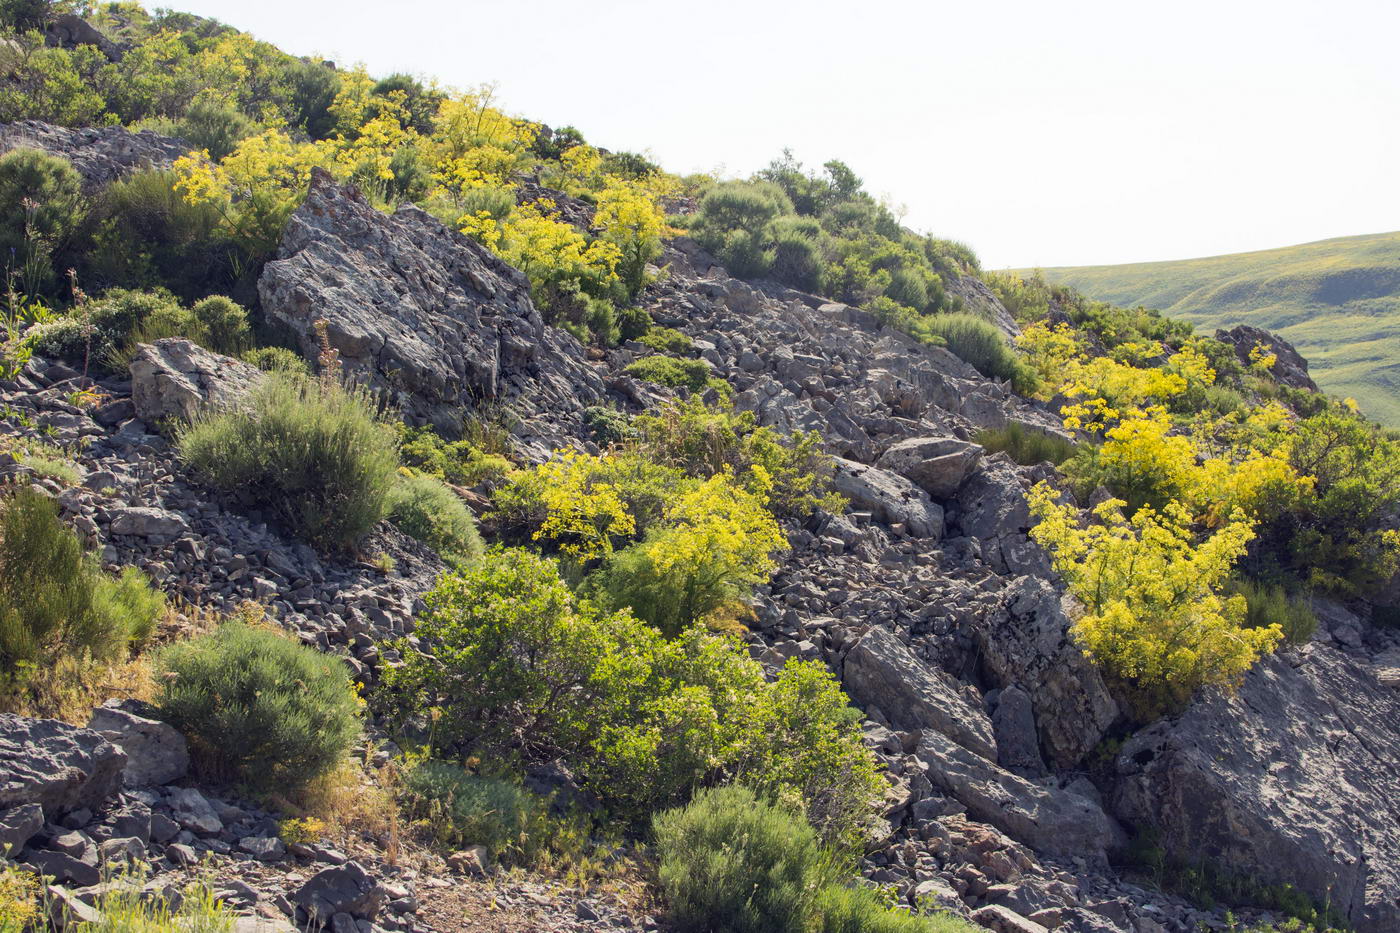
1337	301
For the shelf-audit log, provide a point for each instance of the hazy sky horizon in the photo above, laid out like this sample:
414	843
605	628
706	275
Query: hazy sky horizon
1077	133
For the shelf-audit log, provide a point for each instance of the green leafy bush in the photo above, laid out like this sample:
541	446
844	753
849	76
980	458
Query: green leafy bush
461	462
859	909
258	707
40	206
732	863
461	809
213	127
424	508
311	450
55	601
667	340
96	333
1026	446
1271	603
224	324
670	371
981	345
277	359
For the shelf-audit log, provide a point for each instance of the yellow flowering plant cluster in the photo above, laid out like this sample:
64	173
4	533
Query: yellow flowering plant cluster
1154	615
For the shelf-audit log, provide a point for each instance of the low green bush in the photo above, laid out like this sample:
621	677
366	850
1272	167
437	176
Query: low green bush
40	206
670	371
979	344
460	462
1270	603
277	359
96	333
667	340
257	707
1025	445
460	809
312	450
729	862
214	128
424	508
55	601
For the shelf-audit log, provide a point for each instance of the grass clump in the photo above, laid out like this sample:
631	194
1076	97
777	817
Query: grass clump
276	359
424	508
312	450
982	346
55	601
1270	603
1025	445
258	707
859	909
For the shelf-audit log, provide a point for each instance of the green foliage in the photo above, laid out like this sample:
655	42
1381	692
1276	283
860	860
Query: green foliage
55	601
607	426
141	233
648	720
667	340
55	85
981	345
125	907
731	863
1270	604
860	909
632	323
460	462
224	324
20	898
1025	445
40	206
277	359
670	371
95	333
311	450
424	508
258	707
213	127
460	809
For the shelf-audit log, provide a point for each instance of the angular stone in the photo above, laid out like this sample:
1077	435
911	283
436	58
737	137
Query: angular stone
176	378
1013	724
100	154
18	825
889	497
881	671
58	766
1046	819
347	888
937	465
156	752
1000	919
147	521
193	811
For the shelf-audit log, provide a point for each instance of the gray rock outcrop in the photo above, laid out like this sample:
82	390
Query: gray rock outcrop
1290	368
100	154
156	752
889	497
1293	780
424	314
937	465
176	378
55	765
881	671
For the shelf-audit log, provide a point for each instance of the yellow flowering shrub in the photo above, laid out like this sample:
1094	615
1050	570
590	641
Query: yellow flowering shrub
1050	351
584	509
631	219
1154	616
549	251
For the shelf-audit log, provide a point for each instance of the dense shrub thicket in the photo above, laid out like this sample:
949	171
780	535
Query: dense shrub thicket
55	601
257	707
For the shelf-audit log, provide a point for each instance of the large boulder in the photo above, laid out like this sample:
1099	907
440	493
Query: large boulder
156	751
423	313
1048	819
58	766
1024	642
1290	368
343	889
937	465
881	671
175	378
1294	779
889	497
100	154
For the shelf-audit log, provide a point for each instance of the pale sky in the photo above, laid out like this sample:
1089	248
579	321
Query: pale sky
1042	133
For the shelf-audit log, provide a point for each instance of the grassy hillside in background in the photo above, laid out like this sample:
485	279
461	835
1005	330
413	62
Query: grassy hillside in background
1337	301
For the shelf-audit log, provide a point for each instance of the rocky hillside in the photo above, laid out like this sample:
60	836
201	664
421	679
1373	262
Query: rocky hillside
1023	785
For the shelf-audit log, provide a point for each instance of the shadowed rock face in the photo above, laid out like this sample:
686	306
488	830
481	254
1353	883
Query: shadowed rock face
1294	780
424	314
1289	366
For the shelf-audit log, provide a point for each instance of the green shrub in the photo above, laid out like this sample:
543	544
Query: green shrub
55	601
1271	603
632	323
461	809
797	252
460	462
40	207
731	863
225	324
670	371
256	706
1025	445
982	346
424	508
143	233
277	359
311	450
213	127
100	332
607	425
667	340
859	909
